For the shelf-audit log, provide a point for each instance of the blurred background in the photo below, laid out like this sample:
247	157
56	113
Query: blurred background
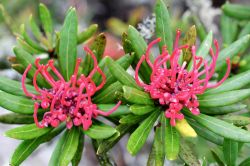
113	18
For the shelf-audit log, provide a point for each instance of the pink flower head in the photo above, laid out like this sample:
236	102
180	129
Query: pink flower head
66	101
173	85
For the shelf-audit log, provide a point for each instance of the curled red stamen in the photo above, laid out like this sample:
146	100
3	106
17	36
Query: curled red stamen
66	101
176	86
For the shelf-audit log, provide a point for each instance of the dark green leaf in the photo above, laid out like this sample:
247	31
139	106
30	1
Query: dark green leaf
136	96
68	44
140	135
100	130
206	134
221	128
16	104
13	118
69	146
87	33
222	110
78	155
232	50
233	83
163	25
141	109
30	131
223	98
121	110
230	151
108	95
237	11
187	154
120	74
132	119
237	120
139	46
172	142
246	162
14	87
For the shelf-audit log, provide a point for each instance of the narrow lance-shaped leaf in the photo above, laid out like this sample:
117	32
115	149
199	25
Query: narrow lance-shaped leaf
237	11
245	30
206	134
139	46
68	44
16	104
222	110
30	131
87	33
141	109
229	29
132	119
187	154
27	147
23	44
201	30
172	142
120	74
13	118
46	23
221	128
237	120
223	98
140	135
232	50
14	87
69	147
230	151
78	155
136	96
163	25
121	110
99	130
233	83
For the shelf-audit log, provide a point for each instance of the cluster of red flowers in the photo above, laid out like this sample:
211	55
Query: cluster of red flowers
173	85
66	101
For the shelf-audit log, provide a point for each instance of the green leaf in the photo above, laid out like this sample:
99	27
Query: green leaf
120	74
245	30
187	154
30	131
14	87
218	156
23	44
230	151
27	147
190	40
108	96
229	29
98	48
136	96
30	41
159	142
221	128
35	29
87	33
163	25
13	118
46	23
233	83
237	120
246	162
68	44
99	130
206	134
25	59
108	143
232	50
69	146
205	45
16	104
121	110
172	142
141	109
132	119
139	46
97	78
78	155
237	11
222	110
223	98
201	30
140	135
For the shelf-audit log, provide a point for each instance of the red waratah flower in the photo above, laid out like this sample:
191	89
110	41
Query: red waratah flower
66	101
173	85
